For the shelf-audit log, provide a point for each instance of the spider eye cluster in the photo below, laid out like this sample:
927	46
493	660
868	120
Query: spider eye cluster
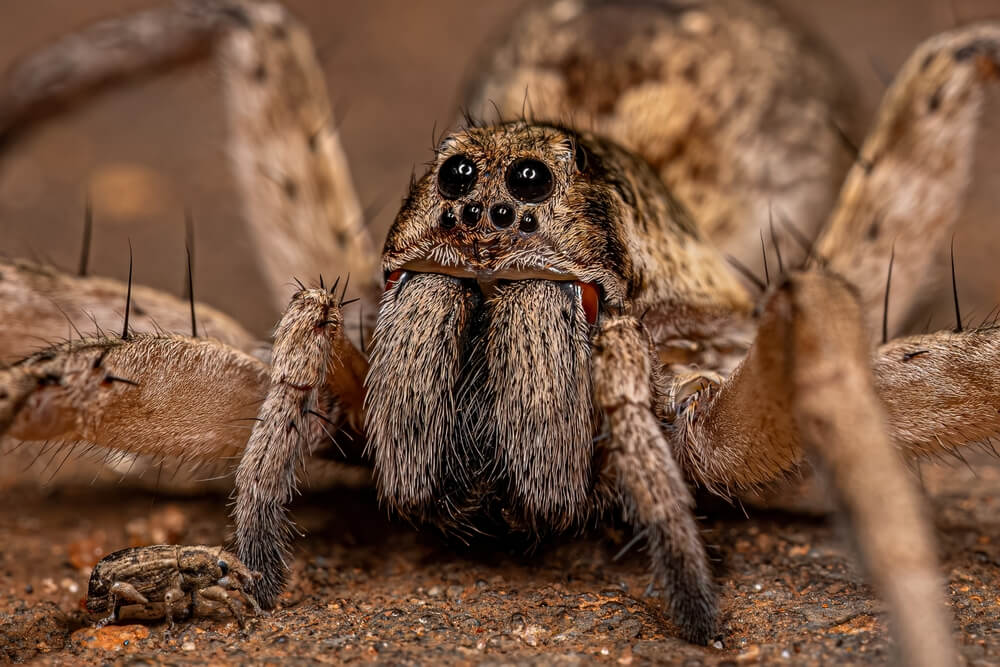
457	177
528	180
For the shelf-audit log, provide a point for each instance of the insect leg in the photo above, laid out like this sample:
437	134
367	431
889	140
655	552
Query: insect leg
173	594
219	594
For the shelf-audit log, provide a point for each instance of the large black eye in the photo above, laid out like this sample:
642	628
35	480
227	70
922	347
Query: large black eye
224	566
529	180
456	177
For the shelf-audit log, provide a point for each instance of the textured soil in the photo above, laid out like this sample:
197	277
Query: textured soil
367	589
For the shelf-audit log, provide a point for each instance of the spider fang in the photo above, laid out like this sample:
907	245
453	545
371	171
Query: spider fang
589	298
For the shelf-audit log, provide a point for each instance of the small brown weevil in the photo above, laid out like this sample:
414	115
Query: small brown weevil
165	575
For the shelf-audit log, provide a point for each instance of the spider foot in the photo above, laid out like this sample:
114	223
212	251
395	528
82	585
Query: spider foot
690	391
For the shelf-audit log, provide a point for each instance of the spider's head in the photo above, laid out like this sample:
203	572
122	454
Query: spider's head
515	202
503	257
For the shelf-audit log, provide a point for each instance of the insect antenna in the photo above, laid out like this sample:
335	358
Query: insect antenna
954	290
885	304
128	293
88	227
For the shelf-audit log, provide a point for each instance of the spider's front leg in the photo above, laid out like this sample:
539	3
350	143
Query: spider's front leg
807	387
316	385
648	479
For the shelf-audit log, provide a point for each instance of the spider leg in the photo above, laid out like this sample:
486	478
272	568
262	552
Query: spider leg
298	196
940	391
310	346
807	387
157	395
109	50
904	193
645	471
38	303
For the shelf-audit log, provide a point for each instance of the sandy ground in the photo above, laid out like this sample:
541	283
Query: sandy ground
366	589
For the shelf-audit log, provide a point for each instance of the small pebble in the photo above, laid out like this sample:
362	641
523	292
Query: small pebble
187	646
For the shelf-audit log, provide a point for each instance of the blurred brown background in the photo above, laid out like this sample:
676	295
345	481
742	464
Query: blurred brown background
148	150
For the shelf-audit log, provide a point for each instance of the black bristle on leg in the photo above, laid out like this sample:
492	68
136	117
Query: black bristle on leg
774	241
190	290
189	244
885	305
954	290
746	272
88	227
128	294
347	281
763	252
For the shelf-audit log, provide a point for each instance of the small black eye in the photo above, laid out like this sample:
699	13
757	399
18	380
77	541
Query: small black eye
529	180
456	177
224	566
448	218
502	215
471	214
529	223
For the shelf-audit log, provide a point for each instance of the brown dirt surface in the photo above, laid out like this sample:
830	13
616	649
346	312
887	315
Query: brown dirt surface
366	589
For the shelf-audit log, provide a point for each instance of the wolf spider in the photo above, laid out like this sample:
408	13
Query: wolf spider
555	332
